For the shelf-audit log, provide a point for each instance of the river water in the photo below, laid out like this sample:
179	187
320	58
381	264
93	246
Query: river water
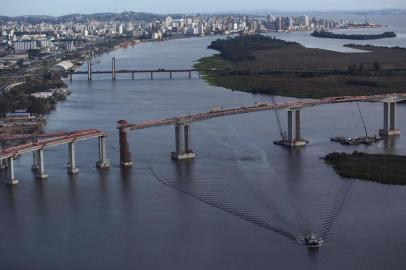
243	203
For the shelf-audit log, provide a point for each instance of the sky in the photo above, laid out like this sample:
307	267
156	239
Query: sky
58	7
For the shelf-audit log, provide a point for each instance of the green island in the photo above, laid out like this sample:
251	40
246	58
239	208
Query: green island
260	64
326	34
385	169
20	98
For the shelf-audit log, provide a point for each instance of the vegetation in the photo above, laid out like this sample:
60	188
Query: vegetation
20	97
303	72
242	47
385	169
326	34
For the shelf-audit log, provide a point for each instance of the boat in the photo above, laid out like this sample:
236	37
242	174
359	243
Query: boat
357	140
312	241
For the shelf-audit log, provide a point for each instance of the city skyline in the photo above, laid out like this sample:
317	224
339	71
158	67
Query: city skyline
163	7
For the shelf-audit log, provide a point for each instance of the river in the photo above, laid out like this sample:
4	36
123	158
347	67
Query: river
243	203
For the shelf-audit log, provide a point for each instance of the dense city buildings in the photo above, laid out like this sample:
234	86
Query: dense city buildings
28	37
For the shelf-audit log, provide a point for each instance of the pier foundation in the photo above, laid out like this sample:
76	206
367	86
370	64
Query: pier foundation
125	154
34	165
183	142
103	162
40	174
72	169
293	137
389	120
113	68
89	70
2	165
11	179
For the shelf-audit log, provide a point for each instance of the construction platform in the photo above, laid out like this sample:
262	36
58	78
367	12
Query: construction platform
389	132
183	156
294	143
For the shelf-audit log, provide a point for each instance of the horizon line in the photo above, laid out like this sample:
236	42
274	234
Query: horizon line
250	12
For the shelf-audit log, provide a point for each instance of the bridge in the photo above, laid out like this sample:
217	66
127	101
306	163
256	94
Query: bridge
182	124
190	71
43	142
114	71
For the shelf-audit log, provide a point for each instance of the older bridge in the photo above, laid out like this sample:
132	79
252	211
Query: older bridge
114	71
183	123
189	71
43	142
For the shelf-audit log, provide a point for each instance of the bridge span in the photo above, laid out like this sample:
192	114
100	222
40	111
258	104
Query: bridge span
38	146
183	123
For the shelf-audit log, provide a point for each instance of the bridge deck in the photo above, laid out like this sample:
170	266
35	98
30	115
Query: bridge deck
50	142
260	107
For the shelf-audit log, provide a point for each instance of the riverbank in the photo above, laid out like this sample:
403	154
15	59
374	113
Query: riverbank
248	63
385	169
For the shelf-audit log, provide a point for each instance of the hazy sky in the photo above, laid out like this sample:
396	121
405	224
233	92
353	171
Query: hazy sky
57	7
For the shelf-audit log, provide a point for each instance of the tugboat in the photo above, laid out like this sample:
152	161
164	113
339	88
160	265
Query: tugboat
312	241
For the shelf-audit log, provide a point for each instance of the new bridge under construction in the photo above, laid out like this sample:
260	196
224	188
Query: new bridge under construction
293	137
183	150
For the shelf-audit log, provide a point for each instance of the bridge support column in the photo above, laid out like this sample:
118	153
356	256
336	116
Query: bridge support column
72	159
41	169
389	120
2	165
152	75
113	68
11	179
170	75
133	76
125	154
190	75
35	165
183	142
89	70
103	162
294	137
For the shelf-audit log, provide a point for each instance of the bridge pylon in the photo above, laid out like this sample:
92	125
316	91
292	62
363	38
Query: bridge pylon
40	173
293	137
183	141
389	120
11	179
125	154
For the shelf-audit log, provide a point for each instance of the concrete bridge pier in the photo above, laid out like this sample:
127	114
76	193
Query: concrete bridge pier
103	162
170	75
389	120
35	165
190	75
72	169
41	168
132	75
11	179
2	165
293	136
183	142
113	68
125	154
89	70
152	75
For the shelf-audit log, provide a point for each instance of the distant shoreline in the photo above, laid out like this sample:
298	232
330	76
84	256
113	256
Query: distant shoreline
326	34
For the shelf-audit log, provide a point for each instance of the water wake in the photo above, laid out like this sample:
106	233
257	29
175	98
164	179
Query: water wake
256	210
